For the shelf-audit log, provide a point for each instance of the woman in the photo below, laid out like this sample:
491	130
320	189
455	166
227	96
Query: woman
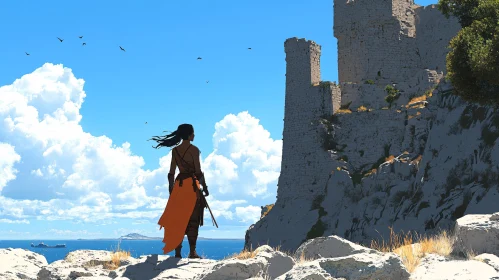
177	217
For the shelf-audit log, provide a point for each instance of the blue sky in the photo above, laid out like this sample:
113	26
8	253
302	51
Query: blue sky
66	177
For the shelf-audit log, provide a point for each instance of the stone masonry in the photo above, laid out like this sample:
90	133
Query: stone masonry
307	100
389	42
335	178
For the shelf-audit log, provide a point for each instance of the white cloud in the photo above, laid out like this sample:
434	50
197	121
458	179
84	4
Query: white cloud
68	174
249	214
8	221
8	157
77	233
244	156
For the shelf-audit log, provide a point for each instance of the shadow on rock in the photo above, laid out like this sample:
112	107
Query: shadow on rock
151	268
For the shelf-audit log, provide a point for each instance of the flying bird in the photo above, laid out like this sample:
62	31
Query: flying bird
60	39
249	48
207	81
122	48
84	44
80	37
26	53
199	58
146	122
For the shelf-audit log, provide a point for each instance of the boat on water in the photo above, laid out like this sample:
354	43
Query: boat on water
43	245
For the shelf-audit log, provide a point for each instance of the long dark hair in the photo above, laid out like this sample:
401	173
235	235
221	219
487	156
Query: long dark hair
183	132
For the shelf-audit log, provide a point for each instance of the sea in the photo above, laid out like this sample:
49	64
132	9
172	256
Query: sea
215	249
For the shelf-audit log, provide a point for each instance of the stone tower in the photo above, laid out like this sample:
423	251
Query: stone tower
306	101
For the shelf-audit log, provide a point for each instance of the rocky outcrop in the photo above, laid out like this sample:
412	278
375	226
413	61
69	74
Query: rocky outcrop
402	151
478	234
419	167
435	267
329	257
20	264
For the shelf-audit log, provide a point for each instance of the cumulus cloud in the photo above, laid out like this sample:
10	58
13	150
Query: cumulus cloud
244	156
249	214
7	160
51	169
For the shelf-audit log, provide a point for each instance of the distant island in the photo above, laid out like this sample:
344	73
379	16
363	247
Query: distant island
136	236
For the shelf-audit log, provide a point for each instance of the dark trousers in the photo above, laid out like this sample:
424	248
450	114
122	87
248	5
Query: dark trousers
193	227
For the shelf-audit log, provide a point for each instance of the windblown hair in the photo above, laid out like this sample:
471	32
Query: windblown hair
183	132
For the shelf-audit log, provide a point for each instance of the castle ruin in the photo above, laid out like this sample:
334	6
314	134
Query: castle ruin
385	42
380	43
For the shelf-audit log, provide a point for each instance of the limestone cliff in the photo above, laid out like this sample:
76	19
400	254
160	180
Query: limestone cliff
354	165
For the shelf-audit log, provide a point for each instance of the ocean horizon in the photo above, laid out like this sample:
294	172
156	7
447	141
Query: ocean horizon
215	249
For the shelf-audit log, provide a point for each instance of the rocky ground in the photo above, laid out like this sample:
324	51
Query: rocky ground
418	166
471	252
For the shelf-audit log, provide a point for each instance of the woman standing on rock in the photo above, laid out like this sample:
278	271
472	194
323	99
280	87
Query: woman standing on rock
185	208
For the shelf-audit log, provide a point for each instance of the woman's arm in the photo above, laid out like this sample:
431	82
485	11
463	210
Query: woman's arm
199	174
173	164
171	174
197	165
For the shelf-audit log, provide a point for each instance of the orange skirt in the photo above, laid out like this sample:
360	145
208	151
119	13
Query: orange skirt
177	213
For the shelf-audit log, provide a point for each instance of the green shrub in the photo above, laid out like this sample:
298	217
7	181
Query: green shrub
473	61
392	94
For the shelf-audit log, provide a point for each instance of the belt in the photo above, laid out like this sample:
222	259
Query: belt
181	176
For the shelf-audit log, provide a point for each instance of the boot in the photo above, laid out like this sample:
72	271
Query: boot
192	246
178	251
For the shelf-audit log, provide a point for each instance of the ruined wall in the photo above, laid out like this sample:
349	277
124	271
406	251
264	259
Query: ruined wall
389	43
434	33
375	40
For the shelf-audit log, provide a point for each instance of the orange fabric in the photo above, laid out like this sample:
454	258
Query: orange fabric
177	213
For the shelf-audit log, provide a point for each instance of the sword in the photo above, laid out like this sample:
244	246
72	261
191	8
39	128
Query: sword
209	209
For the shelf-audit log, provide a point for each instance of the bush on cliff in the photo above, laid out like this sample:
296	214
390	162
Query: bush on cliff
473	61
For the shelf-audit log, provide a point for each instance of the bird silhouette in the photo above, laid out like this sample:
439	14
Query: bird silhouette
26	53
122	48
84	44
80	37
249	48
146	122
207	81
199	58
60	39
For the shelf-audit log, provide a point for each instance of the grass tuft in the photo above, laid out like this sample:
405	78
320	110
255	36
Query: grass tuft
343	111
413	247
116	257
361	109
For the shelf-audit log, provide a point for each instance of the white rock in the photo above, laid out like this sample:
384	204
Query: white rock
234	269
165	268
359	266
20	264
494	216
366	266
489	259
310	271
94	278
278	263
80	263
478	234
435	267
329	247
266	263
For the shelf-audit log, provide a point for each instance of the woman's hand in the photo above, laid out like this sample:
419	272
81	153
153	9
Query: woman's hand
205	190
